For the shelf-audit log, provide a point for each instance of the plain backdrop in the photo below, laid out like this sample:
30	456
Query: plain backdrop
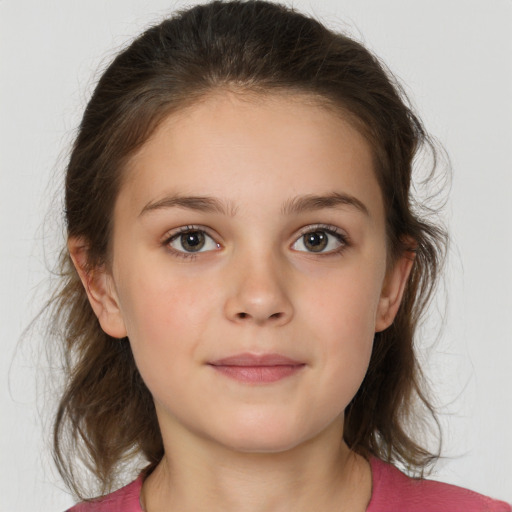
455	59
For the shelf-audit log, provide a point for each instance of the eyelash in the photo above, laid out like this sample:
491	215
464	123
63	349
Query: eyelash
333	231
329	230
177	233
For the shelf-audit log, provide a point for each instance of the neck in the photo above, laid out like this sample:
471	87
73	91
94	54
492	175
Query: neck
317	475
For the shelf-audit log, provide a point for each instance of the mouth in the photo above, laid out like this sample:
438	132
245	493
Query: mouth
257	369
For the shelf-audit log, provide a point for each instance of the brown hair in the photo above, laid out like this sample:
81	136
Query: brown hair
106	414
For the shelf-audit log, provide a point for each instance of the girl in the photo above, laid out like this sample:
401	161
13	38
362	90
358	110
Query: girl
244	275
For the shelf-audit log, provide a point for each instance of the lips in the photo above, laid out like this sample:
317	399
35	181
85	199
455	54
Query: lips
257	369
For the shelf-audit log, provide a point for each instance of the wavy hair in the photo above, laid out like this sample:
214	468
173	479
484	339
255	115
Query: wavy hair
106	414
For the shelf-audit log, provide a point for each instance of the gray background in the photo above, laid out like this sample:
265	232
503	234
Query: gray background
454	57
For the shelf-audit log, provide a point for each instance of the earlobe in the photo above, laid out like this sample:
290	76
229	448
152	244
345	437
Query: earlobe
100	290
393	290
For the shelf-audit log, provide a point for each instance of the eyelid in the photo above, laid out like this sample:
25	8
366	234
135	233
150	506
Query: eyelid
323	227
341	235
331	230
173	234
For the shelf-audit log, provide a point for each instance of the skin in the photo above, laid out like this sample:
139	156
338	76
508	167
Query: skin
255	287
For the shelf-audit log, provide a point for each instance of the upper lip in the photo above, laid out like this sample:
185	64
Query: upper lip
256	360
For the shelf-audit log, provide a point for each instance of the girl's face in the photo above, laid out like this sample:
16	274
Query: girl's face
249	270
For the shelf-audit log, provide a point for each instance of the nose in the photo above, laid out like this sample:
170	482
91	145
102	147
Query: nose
258	292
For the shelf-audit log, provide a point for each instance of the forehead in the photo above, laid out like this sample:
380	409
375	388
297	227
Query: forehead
229	145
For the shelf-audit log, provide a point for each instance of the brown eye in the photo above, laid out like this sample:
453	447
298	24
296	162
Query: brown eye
192	240
315	241
321	240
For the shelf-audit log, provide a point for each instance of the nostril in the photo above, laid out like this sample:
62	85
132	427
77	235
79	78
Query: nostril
242	315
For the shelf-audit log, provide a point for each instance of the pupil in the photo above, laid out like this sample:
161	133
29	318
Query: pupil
316	241
192	241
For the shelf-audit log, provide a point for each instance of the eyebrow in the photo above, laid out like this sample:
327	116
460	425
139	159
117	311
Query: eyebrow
319	202
198	203
295	205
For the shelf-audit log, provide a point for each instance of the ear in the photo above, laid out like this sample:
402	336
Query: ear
393	290
100	289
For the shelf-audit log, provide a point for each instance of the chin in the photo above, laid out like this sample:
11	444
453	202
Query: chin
261	446
265	436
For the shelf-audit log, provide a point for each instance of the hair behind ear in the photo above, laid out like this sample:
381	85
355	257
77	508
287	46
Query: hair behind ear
100	289
393	290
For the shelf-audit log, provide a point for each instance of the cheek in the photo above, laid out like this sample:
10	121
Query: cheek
345	303
164	318
166	321
343	316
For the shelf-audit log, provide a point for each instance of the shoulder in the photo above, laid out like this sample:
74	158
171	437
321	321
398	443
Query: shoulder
393	491
125	499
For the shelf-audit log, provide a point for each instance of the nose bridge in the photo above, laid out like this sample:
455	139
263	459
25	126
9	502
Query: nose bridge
259	291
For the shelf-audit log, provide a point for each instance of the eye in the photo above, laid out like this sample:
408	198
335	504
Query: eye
320	240
190	240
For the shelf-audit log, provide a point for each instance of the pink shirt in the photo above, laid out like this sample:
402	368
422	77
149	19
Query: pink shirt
392	491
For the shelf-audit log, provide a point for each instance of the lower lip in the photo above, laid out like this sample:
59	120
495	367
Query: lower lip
258	374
